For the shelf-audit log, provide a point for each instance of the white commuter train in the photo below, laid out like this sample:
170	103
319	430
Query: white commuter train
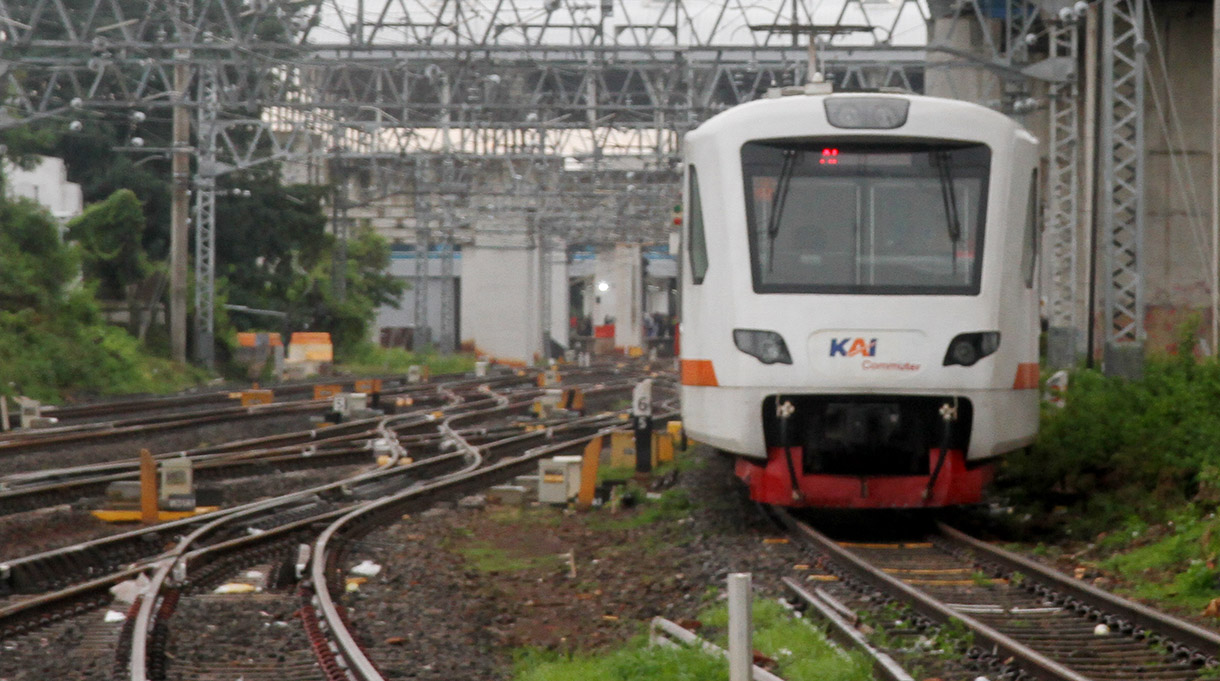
860	296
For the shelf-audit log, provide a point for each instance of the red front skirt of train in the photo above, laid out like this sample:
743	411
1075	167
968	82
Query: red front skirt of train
771	483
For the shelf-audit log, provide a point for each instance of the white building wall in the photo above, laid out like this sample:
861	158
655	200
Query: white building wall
402	266
47	183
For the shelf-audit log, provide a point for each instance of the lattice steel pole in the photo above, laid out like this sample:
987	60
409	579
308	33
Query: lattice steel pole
1063	203
180	169
205	220
339	189
422	335
1121	184
446	342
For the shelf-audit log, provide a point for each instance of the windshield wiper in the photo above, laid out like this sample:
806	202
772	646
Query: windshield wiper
942	161
777	204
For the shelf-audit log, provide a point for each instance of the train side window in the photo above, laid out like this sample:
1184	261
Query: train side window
696	240
1029	249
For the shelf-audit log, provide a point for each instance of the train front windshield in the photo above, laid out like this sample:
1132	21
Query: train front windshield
885	218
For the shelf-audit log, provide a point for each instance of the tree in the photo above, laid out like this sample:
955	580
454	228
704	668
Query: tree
110	234
369	285
273	252
35	265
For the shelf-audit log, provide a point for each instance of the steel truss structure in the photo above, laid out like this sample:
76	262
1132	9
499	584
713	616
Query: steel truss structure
1063	202
1121	181
568	96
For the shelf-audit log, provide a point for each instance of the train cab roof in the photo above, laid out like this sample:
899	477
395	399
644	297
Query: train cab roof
813	110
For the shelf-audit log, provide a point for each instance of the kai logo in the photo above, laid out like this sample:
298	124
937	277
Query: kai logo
853	347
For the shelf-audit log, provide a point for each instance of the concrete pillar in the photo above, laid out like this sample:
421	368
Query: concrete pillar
628	283
604	290
500	297
560	305
953	76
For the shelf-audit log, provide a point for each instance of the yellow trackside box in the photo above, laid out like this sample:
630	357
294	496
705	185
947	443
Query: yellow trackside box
252	397
368	385
622	449
325	392
662	447
675	431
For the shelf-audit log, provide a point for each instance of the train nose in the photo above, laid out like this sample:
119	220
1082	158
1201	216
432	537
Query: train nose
865	356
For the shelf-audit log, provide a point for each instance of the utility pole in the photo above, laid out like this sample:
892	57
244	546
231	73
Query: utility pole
1215	264
181	170
205	221
338	221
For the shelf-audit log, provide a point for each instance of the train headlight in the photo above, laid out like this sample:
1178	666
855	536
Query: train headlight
767	346
874	113
968	348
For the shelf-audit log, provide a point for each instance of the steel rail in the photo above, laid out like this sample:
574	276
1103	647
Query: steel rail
1204	641
176	562
310	443
36	606
845	633
183	553
348	648
1030	660
33	608
222	395
357	662
14	440
215	416
13	571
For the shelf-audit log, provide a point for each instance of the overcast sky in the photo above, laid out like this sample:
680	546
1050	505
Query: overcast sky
723	22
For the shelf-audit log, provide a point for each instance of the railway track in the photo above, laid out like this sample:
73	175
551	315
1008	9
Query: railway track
1001	615
181	579
478	438
356	442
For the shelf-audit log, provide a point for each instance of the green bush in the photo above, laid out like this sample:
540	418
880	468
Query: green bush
54	341
1119	445
72	351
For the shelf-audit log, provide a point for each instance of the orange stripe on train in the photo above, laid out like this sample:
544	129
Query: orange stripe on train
698	372
1027	376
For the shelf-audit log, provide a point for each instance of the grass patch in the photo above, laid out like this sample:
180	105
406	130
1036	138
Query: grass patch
802	653
373	359
635	661
1176	565
517	515
484	557
672	505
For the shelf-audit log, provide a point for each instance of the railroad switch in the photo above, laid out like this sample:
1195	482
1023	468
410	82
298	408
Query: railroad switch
348	406
550	377
418	374
546	405
30	414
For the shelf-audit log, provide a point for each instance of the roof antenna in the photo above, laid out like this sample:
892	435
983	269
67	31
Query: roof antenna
817	84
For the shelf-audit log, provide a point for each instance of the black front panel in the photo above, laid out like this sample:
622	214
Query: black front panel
866	434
